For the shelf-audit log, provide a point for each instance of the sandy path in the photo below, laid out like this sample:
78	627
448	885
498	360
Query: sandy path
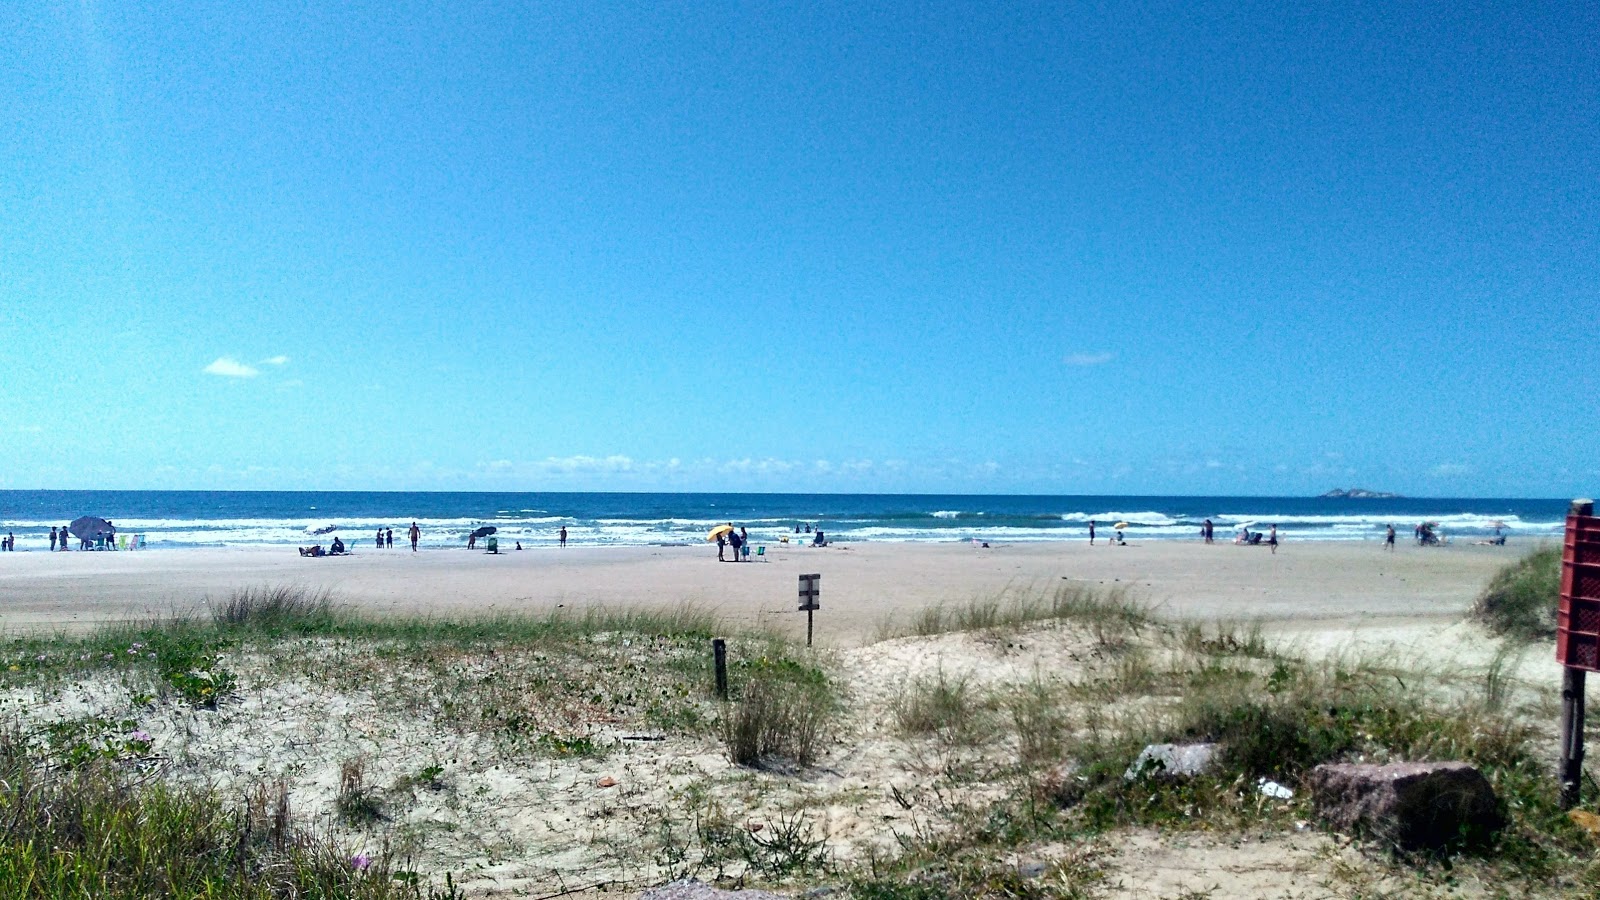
1308	586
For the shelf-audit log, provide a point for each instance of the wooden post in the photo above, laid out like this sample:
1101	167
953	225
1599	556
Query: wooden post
1572	688
719	658
1571	735
810	600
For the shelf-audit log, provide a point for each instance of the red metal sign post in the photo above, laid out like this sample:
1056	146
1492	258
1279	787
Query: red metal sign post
1577	637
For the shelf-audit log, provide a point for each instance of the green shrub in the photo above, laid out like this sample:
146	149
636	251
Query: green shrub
101	830
782	710
938	704
275	608
1521	599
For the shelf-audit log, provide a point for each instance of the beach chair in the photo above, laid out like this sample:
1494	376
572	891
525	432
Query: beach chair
761	551
138	542
122	542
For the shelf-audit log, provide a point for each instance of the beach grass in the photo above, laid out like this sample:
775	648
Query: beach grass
1520	601
1111	612
107	830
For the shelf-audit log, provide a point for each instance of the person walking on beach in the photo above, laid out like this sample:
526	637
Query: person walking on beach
563	535
1206	529
1091	532
1272	540
1388	539
415	535
52	539
388	537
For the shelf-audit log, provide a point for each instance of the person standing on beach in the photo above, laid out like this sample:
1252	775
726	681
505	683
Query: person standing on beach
722	547
563	535
735	542
380	539
388	537
1388	539
1205	529
416	535
52	539
1272	540
1091	532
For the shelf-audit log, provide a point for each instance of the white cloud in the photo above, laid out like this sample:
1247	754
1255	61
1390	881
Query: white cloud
228	367
614	463
1450	470
1088	359
275	360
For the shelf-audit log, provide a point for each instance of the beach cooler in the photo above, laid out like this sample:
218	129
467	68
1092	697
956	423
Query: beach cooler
1578	616
494	545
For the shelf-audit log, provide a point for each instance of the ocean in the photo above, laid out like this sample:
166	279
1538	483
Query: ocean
189	519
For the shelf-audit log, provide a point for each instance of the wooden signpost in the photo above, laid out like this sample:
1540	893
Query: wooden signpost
810	599
719	661
1577	637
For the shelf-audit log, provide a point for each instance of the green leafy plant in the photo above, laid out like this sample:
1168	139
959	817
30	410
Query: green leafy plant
1520	601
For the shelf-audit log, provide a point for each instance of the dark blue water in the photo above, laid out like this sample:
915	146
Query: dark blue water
171	519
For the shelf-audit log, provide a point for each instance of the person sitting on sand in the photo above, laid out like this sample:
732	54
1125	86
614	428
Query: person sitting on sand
312	551
338	547
821	540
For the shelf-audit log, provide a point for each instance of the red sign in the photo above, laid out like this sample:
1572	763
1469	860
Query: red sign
1578	616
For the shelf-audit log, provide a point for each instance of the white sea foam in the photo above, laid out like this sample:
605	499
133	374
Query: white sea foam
538	528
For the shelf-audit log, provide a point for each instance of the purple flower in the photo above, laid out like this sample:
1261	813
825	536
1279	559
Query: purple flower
360	862
133	651
140	736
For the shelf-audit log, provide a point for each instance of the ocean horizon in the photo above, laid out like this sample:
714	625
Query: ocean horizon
172	520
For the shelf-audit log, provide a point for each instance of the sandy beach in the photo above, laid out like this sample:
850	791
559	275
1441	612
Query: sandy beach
1309	587
512	819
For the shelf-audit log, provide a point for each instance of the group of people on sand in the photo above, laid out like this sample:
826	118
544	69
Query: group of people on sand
738	540
337	548
1115	540
383	539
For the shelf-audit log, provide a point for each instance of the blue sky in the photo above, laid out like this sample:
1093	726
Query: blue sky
1057	248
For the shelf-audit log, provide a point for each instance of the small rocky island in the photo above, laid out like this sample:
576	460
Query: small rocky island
1357	494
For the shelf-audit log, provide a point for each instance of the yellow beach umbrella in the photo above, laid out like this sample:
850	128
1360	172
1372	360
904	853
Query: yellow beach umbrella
1120	525
719	531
